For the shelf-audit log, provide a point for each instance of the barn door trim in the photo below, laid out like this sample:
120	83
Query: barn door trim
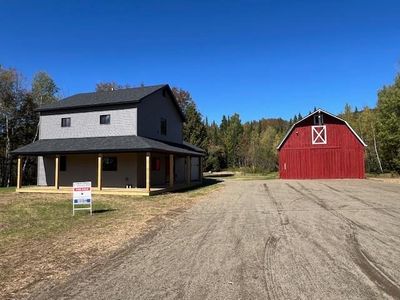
318	135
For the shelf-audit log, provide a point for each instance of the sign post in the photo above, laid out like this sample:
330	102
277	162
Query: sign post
82	196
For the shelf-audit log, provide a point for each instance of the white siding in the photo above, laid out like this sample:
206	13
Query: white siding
87	124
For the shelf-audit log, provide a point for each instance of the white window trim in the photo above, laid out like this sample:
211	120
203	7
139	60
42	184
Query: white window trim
318	135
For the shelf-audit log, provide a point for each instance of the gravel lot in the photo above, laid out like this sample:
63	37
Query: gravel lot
336	239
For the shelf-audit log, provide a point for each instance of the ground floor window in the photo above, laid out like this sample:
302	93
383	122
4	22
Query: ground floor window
110	163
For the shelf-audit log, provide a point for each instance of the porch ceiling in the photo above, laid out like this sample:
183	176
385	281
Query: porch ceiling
109	144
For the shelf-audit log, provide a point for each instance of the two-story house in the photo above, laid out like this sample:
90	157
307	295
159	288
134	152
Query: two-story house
127	138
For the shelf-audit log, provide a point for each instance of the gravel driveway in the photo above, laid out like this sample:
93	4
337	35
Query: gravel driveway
336	239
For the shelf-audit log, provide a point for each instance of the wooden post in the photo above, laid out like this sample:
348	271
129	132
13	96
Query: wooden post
148	171
57	172
100	171
19	173
189	165
171	170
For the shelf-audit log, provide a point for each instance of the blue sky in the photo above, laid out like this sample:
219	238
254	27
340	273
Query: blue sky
257	58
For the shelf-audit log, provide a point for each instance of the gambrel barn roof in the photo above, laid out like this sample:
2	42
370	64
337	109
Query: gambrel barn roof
318	111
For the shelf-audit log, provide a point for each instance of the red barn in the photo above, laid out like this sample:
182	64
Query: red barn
321	146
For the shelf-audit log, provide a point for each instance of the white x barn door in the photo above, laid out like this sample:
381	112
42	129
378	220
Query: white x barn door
318	135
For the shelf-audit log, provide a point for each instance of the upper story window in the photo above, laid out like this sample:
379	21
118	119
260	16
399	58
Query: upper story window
105	119
65	122
318	119
110	164
163	126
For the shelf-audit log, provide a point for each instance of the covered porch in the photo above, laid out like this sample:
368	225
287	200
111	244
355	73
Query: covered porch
122	171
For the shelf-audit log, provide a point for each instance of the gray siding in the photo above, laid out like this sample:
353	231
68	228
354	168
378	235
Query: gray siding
150	112
180	169
84	168
79	168
45	174
195	169
131	170
126	173
159	178
87	124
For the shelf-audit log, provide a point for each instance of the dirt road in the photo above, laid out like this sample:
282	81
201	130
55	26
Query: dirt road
261	240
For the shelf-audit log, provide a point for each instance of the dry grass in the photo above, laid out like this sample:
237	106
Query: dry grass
40	241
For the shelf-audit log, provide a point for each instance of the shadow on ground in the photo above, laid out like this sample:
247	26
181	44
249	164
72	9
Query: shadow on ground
103	210
206	182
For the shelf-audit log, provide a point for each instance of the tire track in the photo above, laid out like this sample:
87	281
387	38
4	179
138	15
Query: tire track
342	192
282	216
380	278
274	290
282	234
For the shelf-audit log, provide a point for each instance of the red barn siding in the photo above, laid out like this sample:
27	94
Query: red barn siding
341	157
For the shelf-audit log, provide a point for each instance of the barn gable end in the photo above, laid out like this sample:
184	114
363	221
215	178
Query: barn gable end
321	145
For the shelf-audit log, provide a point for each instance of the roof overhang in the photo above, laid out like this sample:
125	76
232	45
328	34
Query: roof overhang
109	144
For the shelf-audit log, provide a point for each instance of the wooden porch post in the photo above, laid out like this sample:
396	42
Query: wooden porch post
189	165
148	171
19	173
57	172
99	171
171	170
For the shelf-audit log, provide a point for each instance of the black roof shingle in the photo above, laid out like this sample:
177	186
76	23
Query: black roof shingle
107	98
129	95
109	144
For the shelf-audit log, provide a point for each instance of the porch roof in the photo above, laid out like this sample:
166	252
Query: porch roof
108	144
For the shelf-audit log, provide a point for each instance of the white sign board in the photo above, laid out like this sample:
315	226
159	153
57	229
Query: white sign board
82	196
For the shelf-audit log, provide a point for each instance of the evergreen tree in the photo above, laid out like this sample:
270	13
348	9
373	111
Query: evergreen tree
194	131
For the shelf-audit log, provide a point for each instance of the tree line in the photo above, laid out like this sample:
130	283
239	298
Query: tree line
19	122
231	143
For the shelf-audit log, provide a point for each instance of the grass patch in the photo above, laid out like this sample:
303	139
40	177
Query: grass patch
42	217
382	175
7	189
40	240
255	176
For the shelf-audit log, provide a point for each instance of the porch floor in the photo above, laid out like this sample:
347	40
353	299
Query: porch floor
109	190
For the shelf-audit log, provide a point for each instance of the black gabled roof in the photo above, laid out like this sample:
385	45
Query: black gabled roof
109	144
106	98
129	95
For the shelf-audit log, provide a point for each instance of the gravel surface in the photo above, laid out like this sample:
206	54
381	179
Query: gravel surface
276	239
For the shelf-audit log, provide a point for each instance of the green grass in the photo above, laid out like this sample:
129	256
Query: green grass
382	175
7	189
256	176
41	218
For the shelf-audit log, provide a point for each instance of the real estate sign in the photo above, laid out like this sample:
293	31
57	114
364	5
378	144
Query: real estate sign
82	196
